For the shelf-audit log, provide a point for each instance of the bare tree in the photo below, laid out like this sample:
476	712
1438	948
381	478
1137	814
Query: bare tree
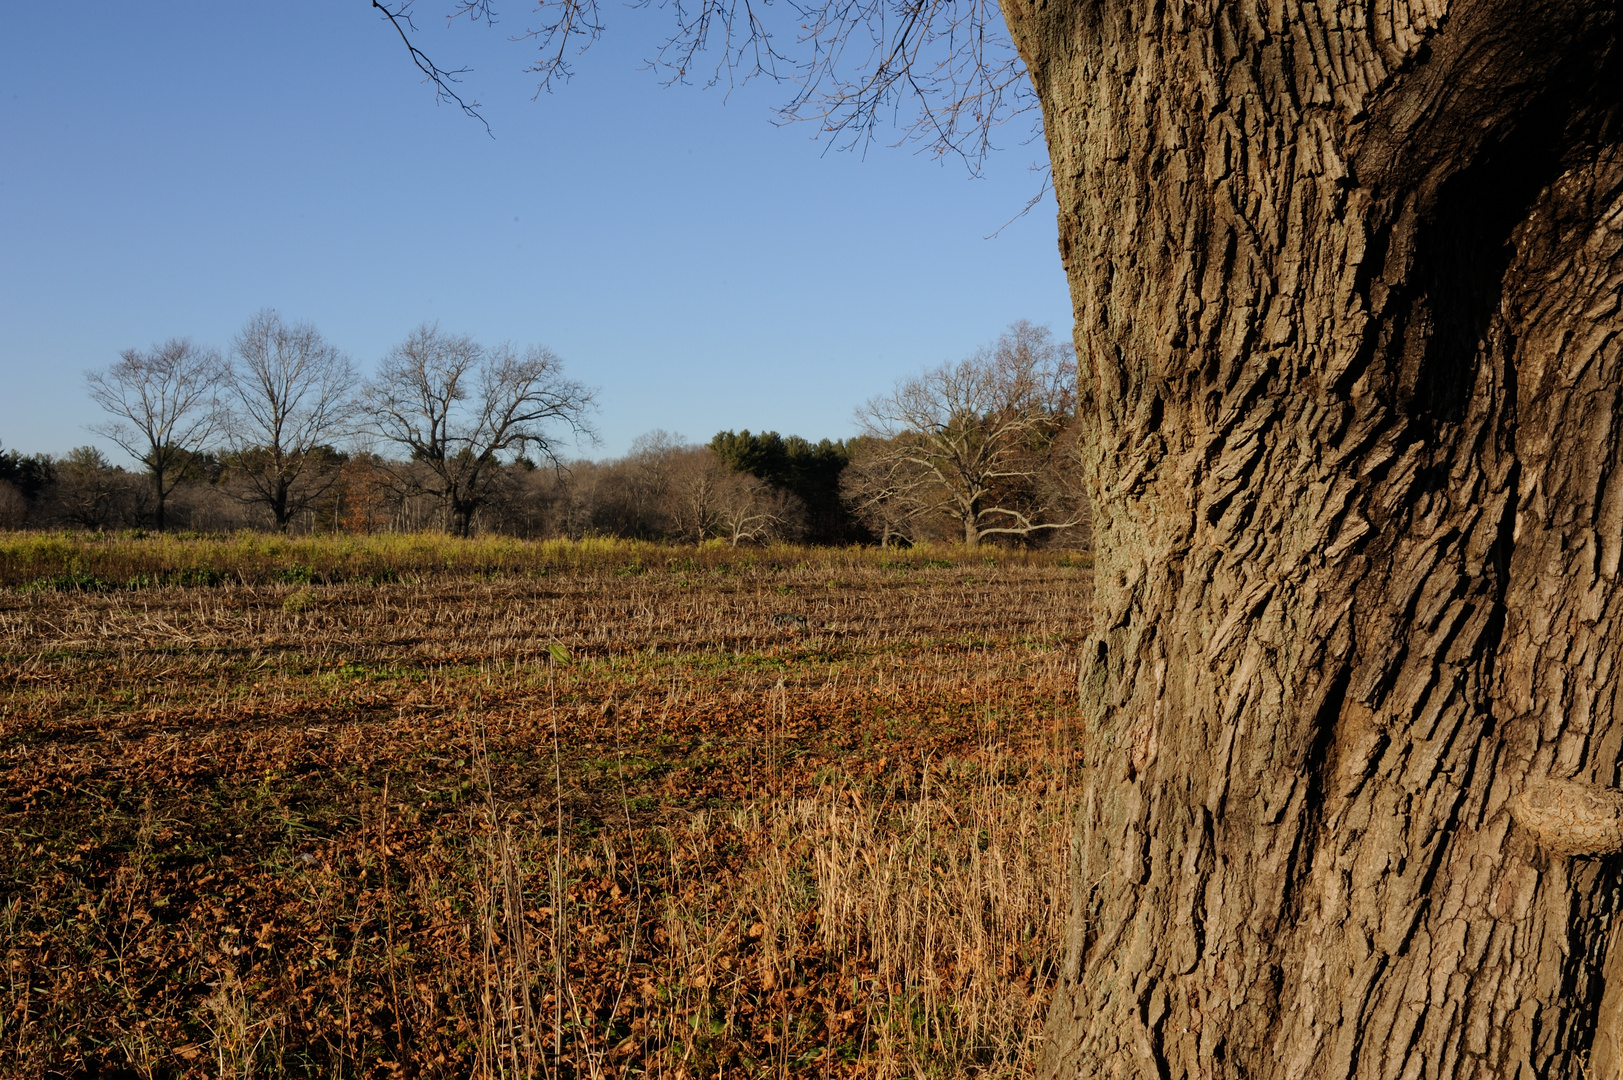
972	440
648	477
291	395
692	495
462	412
881	488
165	408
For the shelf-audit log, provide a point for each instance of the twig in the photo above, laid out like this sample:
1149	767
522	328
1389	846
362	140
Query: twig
1048	185
400	18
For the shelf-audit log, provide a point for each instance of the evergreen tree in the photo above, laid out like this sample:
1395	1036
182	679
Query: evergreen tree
30	474
810	471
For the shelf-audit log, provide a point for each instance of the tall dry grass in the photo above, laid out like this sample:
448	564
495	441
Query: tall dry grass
884	938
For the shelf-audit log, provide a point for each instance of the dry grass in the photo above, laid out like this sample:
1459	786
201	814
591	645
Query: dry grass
819	934
800	818
99	562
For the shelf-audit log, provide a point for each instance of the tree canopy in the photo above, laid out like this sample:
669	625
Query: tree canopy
809	471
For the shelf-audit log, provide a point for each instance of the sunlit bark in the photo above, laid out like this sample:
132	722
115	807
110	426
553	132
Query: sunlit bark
1346	282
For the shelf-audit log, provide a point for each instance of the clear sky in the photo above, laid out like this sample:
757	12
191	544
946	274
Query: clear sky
168	168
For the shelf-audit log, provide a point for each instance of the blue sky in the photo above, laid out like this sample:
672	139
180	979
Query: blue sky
170	168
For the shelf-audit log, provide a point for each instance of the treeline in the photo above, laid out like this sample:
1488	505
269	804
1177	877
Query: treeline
664	489
281	434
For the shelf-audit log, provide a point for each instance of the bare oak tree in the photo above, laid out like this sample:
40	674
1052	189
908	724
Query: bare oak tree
164	404
1346	280
972	441
462	412
291	395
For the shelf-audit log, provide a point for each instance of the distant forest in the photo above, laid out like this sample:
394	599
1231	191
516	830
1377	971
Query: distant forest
281	434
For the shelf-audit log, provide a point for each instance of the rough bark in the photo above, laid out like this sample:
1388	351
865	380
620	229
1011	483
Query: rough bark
1346	282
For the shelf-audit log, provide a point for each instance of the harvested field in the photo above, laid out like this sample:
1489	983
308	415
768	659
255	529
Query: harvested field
679	813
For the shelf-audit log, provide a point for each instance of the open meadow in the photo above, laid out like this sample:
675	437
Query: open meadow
411	806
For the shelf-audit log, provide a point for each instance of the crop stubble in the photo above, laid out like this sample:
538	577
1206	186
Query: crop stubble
813	822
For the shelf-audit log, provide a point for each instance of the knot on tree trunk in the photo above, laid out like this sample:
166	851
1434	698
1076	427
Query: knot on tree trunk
1569	817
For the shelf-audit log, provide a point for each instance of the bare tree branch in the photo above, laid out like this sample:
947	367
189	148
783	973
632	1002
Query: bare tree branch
1047	186
399	16
855	65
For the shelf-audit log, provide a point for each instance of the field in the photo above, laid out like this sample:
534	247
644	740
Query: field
416	807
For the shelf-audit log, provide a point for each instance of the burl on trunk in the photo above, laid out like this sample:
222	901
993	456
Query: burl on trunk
1346	281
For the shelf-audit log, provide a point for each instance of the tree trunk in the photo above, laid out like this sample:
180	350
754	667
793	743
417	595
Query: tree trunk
279	510
462	517
163	495
1346	283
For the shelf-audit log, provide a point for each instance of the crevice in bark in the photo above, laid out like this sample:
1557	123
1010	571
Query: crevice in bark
1357	1026
1462	255
1321	766
1449	829
1377	332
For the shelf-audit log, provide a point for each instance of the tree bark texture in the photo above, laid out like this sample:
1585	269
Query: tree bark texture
1346	282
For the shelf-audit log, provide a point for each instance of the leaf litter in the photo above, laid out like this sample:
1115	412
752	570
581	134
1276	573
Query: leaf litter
340	836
